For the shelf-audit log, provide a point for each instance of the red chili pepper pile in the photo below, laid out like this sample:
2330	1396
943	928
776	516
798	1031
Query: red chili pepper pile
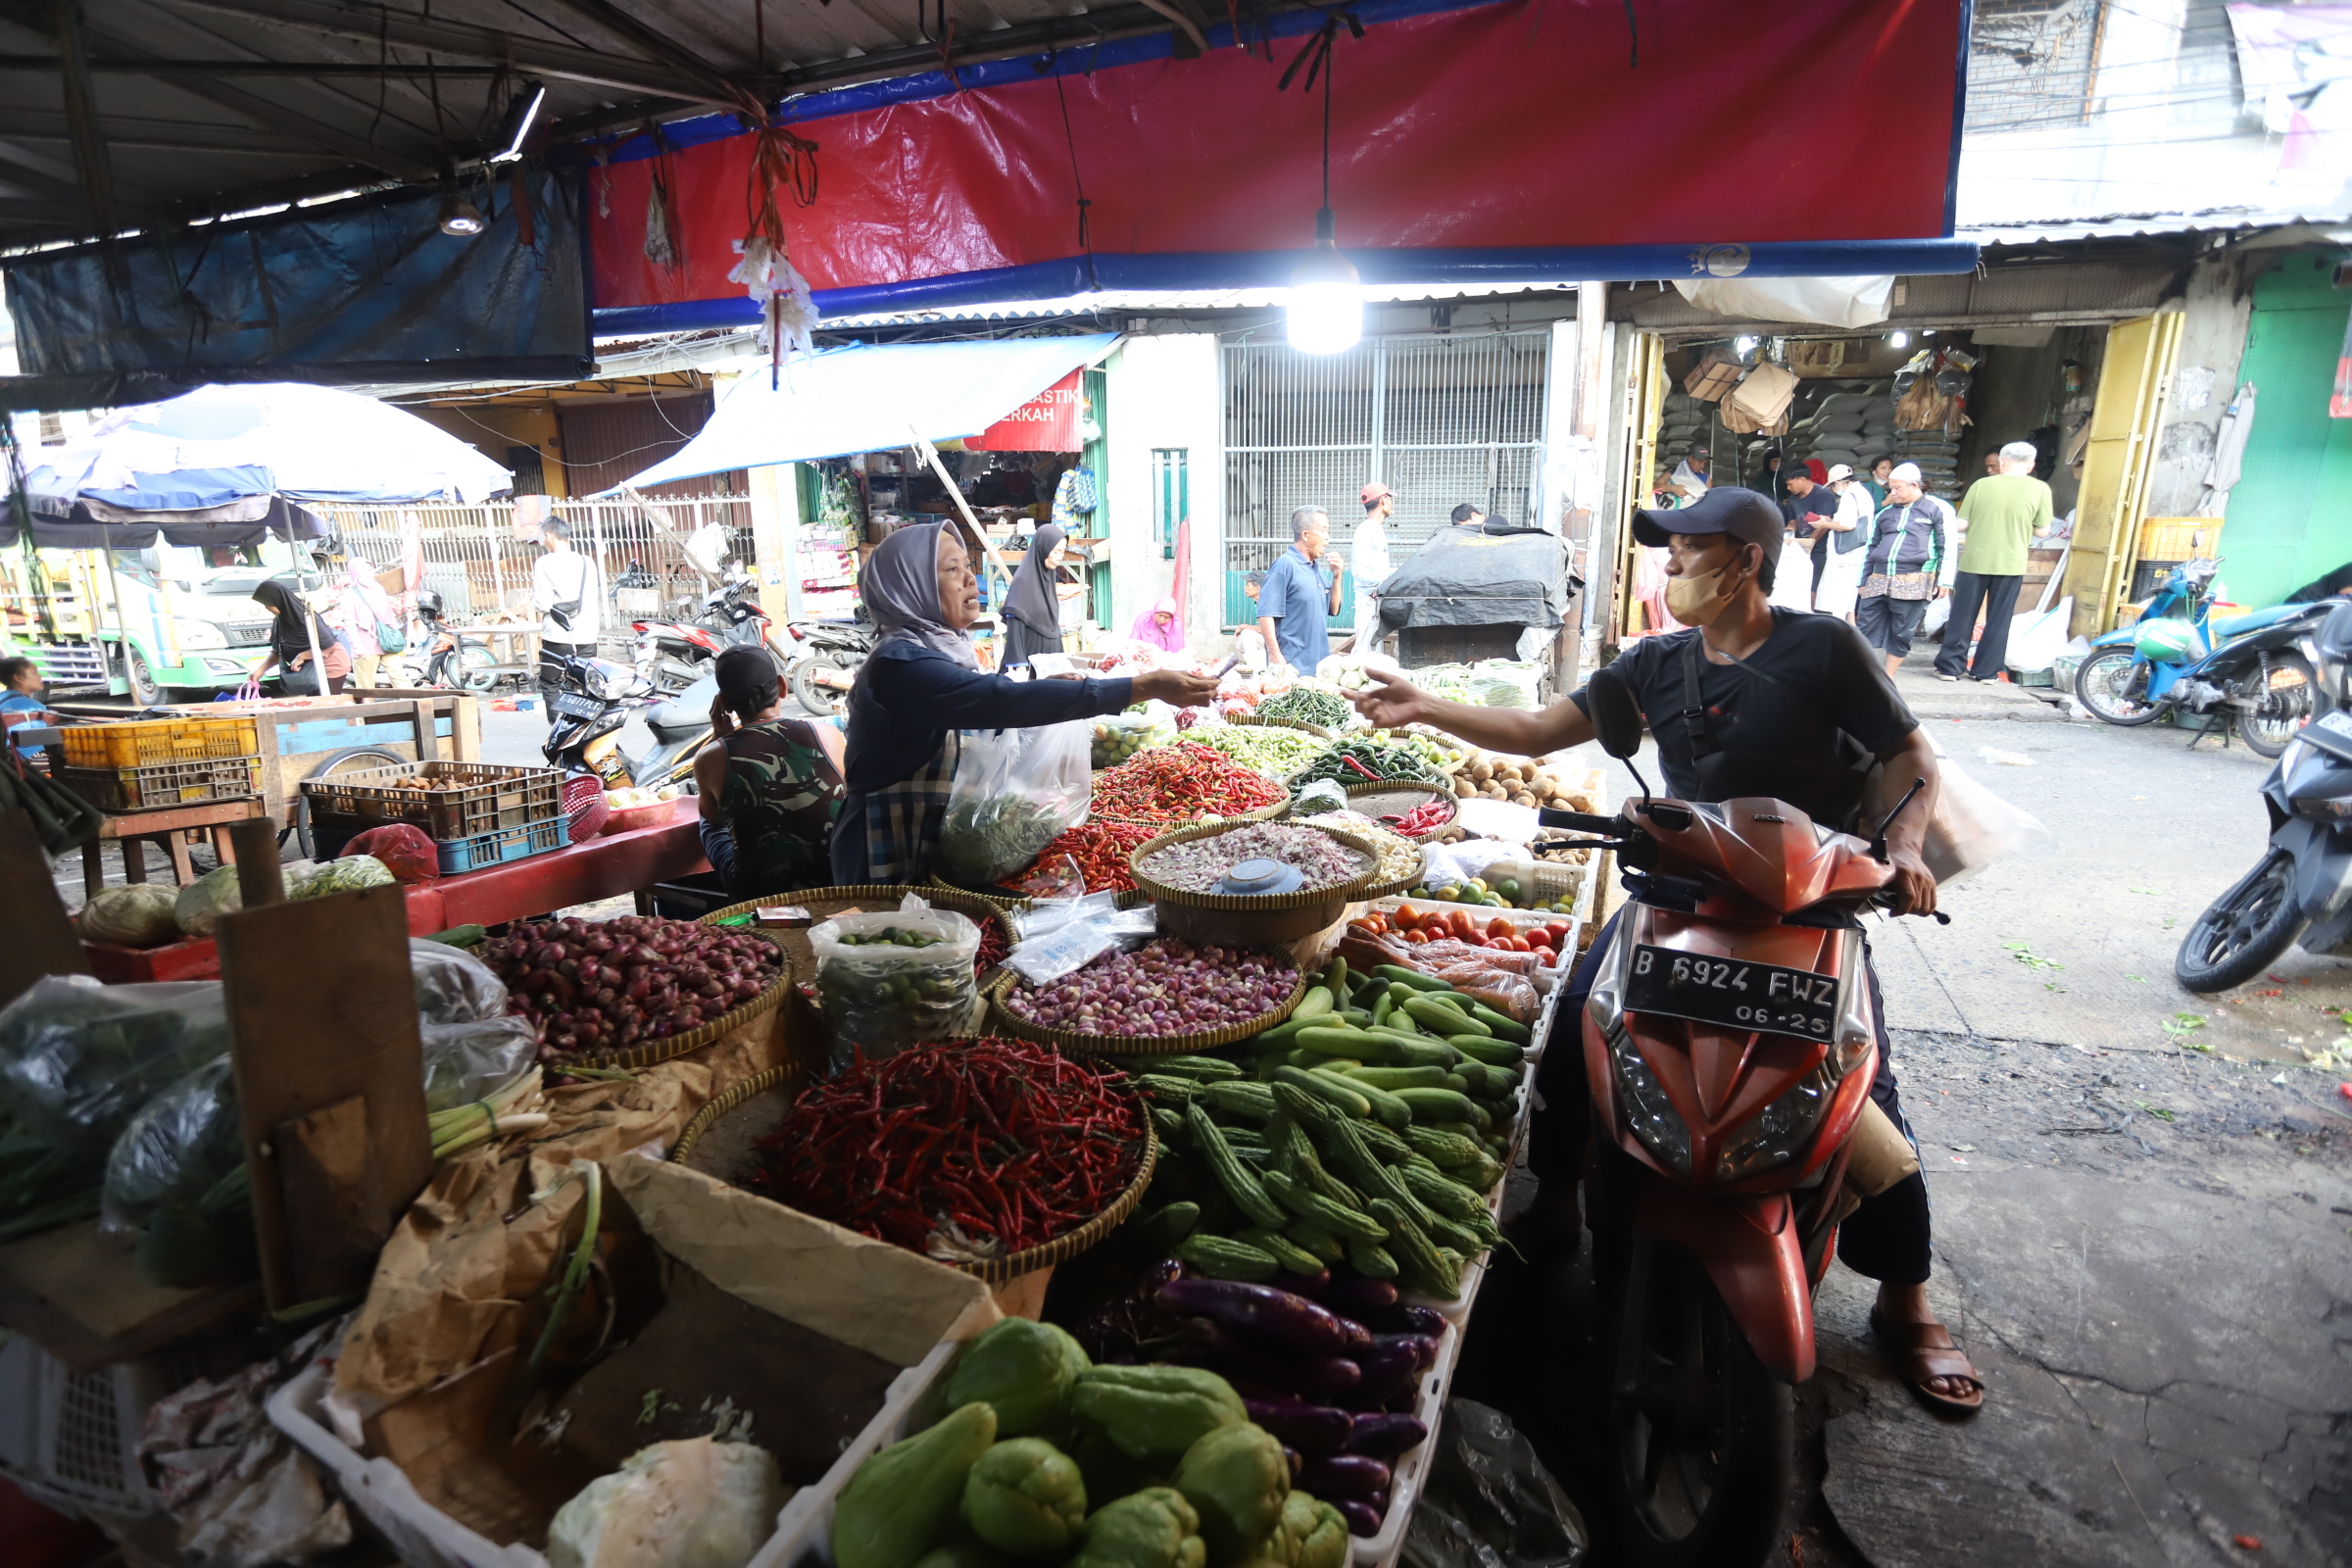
1427	817
1180	783
974	1148
993	947
1100	849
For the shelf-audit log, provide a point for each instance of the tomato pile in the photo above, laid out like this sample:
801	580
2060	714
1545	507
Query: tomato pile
1417	926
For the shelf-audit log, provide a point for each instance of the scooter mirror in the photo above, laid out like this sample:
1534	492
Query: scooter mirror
1616	717
2335	633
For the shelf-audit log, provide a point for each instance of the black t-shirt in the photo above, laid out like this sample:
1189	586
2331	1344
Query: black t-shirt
1823	502
1813	679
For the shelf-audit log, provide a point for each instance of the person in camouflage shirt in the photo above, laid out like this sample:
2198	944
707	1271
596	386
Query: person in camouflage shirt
769	785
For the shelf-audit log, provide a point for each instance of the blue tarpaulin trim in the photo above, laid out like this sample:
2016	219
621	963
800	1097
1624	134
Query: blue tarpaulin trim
873	398
1076	275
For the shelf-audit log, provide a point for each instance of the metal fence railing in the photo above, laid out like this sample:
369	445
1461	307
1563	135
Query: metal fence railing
483	570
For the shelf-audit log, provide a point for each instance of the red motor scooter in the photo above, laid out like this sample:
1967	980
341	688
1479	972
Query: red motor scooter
1729	1044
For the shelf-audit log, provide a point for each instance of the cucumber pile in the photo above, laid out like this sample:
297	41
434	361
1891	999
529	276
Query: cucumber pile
1360	1136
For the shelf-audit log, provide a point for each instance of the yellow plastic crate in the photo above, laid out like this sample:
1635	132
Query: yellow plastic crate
2180	538
151	741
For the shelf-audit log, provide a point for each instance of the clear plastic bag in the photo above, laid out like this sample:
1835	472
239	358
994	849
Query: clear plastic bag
1490	1503
1072	945
453	986
1016	791
1972	827
1113	740
77	1059
886	982
472	1042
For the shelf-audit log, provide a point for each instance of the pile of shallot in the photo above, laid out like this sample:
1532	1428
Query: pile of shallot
1166	987
607	985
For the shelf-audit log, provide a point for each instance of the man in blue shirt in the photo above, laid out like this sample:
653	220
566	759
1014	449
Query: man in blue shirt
1299	597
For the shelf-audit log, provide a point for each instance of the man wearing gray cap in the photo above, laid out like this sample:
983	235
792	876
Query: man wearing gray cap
1747	700
1907	561
2005	512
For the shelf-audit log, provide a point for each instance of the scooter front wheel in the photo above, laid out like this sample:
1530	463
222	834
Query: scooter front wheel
1702	1438
2114	685
2287	702
2242	932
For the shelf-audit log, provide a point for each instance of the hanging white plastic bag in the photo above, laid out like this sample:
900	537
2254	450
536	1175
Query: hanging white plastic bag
1016	791
1972	827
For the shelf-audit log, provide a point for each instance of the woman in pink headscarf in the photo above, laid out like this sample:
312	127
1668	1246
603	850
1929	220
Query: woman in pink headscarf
361	608
1158	627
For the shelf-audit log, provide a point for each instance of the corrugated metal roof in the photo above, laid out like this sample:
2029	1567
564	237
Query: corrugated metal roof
2132	225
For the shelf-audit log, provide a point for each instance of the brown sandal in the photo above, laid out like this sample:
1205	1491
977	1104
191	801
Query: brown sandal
1923	1350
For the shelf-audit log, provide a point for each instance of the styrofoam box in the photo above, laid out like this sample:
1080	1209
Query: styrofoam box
426	1538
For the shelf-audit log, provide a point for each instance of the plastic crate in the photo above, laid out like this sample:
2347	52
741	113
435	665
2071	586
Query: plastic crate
70	1439
162	784
2179	538
464	801
426	1538
160	739
465	855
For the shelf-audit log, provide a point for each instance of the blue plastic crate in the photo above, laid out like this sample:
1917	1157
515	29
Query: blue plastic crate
473	854
506	844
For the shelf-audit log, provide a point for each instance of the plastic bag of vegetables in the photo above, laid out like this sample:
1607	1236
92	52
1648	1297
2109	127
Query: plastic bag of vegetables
472	1042
76	1059
176	1179
1016	791
888	981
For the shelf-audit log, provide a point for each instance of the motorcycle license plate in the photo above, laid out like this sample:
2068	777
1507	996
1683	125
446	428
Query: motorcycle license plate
1732	993
573	705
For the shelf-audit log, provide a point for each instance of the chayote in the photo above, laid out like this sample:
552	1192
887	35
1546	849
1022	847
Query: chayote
1154	1528
1025	1498
903	1499
1309	1535
1023	1368
1154	1411
1237	1478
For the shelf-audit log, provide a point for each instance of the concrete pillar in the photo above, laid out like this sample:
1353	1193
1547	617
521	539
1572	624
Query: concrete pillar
775	500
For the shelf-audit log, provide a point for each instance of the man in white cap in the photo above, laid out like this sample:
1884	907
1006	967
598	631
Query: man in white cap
1907	561
1370	549
2004	512
1839	550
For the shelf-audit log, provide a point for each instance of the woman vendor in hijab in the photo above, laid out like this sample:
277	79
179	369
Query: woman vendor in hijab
1033	605
770	783
922	684
290	643
1158	627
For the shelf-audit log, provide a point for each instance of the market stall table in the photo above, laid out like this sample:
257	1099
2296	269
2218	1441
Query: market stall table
168	826
580	873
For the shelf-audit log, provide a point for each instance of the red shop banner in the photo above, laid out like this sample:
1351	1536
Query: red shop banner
1047	423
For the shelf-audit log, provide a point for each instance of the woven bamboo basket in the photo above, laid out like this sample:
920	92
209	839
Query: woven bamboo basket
1276	721
656	1052
1258	920
1373	801
1265	814
1001	1020
873	899
994	1271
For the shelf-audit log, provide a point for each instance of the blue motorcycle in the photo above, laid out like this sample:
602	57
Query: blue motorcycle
2258	678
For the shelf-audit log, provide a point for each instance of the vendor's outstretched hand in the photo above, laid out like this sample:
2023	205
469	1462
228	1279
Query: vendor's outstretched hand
1394	700
1177	688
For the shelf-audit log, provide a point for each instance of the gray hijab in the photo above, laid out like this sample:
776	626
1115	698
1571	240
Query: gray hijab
899	586
1032	601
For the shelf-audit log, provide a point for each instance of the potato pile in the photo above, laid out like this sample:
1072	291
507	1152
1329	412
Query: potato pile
1521	781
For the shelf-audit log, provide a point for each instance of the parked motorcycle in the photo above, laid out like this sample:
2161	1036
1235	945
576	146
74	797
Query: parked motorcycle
1730	1044
444	658
2259	679
817	660
2302	888
825	657
593	700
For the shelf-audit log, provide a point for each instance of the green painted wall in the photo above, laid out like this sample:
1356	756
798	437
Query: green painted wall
2290	517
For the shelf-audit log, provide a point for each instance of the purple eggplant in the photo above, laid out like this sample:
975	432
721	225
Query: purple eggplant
1278	1321
1401	1318
1359	1296
1315	1428
1359	1338
1311	1286
1345	1475
1383	1437
1362	1520
1320	1377
1390	1367
1296	1460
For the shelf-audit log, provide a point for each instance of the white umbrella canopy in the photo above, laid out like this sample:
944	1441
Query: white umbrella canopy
220	446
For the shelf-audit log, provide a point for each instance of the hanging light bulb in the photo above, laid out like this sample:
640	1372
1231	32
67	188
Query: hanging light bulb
1745	345
460	218
1901	340
1325	307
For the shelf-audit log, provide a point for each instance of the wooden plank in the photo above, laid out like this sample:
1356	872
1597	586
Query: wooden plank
334	1206
321	1008
78	1294
40	937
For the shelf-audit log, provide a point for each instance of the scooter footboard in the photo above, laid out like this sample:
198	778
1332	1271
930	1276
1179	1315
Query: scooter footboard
1755	1256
